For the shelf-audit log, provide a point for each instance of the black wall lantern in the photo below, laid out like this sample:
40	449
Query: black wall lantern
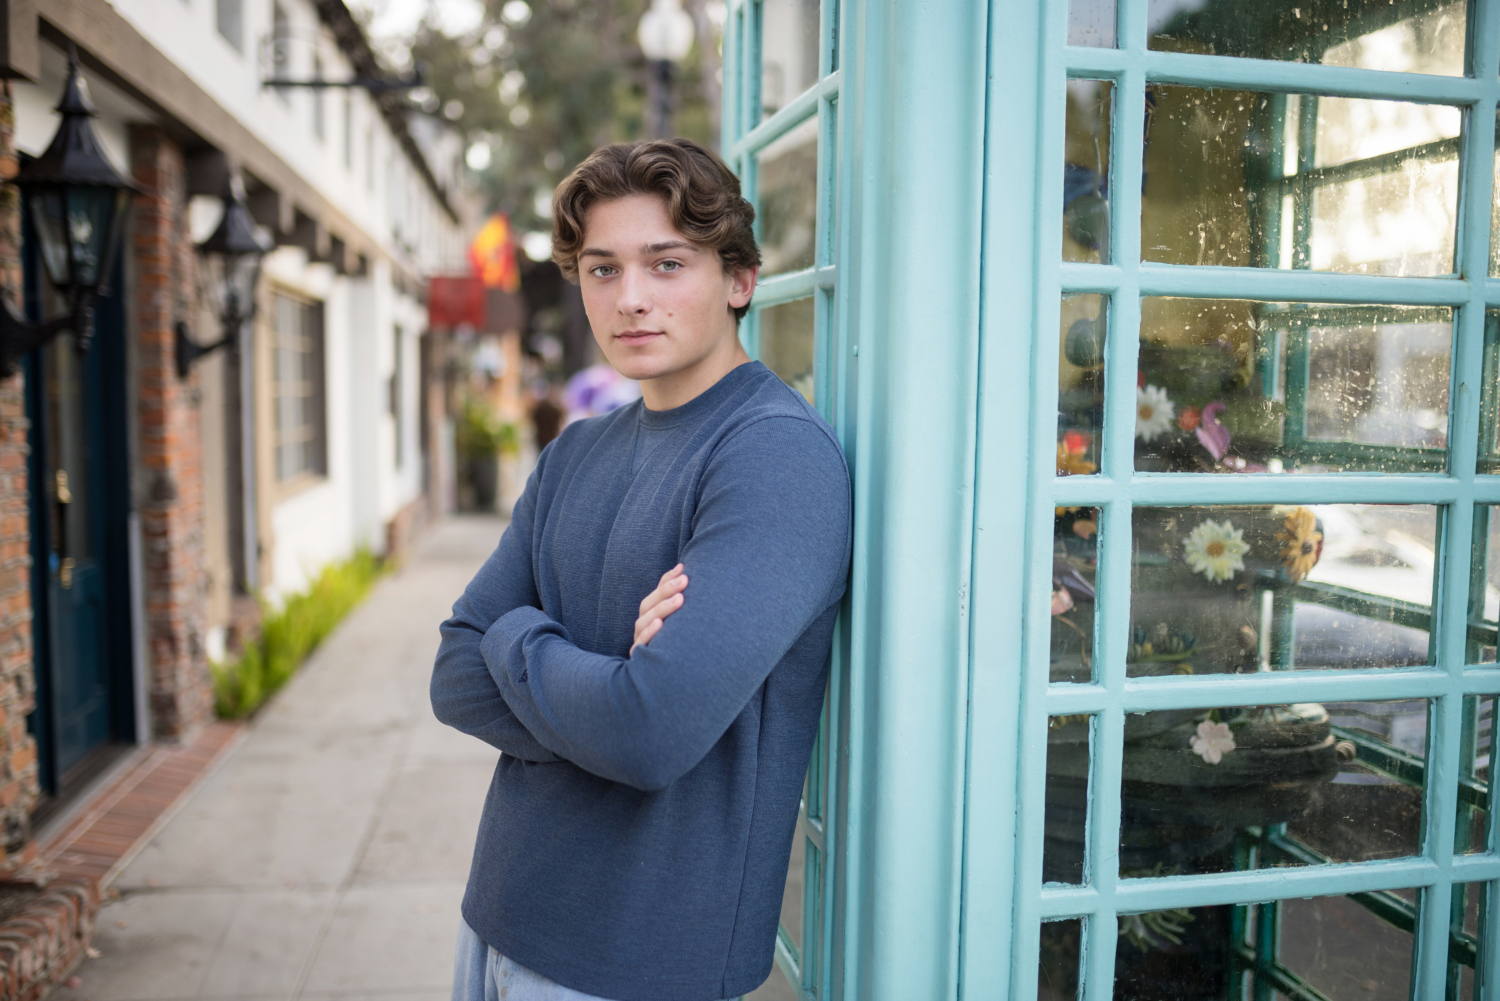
77	202
234	251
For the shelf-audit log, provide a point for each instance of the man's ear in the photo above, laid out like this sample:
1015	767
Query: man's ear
742	287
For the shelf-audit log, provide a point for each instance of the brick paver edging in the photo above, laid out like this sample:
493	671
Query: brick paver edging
41	944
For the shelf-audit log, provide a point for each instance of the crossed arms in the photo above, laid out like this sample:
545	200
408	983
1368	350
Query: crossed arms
767	554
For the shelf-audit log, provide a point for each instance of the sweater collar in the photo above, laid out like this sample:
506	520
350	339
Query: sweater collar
705	401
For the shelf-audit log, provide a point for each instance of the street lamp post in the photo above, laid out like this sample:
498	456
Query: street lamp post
236	247
666	37
77	202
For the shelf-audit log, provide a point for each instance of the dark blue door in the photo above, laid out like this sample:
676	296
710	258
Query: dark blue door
80	577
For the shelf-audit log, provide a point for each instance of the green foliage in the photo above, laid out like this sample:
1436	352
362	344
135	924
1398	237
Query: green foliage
480	431
546	89
289	635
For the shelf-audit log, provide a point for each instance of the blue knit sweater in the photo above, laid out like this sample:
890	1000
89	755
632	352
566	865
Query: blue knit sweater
635	838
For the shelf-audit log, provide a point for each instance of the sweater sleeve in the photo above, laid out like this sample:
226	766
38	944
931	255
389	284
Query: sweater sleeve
464	694
767	554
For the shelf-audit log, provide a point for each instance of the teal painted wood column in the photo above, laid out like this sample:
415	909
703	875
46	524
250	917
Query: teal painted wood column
915	115
1020	242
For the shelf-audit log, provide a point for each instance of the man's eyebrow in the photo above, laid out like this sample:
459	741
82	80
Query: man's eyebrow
595	252
656	248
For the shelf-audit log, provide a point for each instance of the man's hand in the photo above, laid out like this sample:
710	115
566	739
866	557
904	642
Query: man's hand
656	606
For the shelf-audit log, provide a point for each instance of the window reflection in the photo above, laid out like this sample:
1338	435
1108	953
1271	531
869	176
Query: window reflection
1242	588
1253	787
1239	178
1086	172
1484	578
1495	212
1080	383
1476	751
1232	385
1069	741
792	891
1489	396
1407	36
787	197
786	344
1091	23
788	51
1061	945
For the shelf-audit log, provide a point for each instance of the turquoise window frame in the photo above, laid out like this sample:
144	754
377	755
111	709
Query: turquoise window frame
744	134
1117	489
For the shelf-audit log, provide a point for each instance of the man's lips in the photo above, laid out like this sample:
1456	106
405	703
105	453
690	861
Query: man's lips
638	336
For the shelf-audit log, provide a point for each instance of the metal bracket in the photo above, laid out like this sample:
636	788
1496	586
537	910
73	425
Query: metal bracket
189	351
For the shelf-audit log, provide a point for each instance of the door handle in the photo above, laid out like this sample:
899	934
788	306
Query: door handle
64	496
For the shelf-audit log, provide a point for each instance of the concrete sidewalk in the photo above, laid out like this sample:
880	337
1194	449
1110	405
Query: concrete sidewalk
327	855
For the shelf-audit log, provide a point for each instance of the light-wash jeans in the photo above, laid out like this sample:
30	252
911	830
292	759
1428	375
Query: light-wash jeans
482	974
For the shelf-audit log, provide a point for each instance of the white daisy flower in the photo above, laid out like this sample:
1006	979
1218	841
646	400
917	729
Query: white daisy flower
1216	550
1153	413
1212	741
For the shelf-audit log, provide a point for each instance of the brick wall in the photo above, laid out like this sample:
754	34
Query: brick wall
170	451
19	784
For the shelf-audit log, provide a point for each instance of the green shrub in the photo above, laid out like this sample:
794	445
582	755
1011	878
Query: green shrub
480	431
289	635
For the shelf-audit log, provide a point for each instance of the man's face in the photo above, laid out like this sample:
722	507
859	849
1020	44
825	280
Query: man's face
659	304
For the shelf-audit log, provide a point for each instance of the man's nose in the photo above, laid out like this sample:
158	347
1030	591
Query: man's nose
634	298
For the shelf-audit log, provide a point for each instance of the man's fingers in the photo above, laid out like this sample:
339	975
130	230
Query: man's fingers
643	636
671	573
669	586
658	612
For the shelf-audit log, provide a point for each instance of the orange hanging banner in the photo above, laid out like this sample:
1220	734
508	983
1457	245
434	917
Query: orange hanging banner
493	255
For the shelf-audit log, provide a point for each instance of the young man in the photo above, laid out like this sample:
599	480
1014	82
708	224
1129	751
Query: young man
649	644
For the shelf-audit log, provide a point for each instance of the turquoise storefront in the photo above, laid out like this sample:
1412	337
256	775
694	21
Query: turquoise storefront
1163	337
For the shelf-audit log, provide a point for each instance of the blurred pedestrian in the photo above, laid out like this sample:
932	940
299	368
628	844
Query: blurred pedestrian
637	832
546	418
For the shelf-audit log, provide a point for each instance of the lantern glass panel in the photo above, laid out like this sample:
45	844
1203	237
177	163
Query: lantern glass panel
48	215
240	274
91	212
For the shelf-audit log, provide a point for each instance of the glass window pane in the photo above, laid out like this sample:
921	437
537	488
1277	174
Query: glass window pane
1057	976
1069	739
1495	211
1080	383
786	344
1075	561
1341	948
1410	36
791	892
1206	790
788	51
1086	172
787	200
1242	588
1475	754
1469	900
1091	23
1176	953
1484	586
1231	385
1239	178
1489	395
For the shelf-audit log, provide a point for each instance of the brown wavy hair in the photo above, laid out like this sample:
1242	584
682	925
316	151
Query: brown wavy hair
702	195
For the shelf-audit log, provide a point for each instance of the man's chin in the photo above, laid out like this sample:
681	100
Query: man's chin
641	369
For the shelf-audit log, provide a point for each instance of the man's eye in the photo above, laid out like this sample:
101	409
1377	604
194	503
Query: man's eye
670	265
601	271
